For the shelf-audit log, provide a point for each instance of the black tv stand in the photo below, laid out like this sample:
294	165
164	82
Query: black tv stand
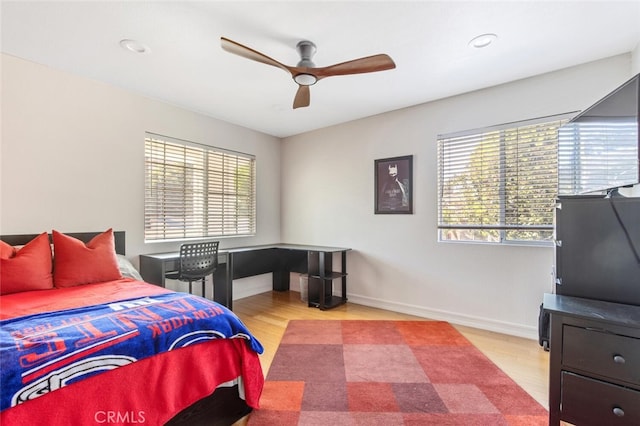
597	240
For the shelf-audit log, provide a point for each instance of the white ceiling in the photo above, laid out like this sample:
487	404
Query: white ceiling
428	40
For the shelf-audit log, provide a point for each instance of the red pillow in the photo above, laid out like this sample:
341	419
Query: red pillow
7	251
77	263
28	268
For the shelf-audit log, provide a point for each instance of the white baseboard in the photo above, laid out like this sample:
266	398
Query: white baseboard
452	317
251	286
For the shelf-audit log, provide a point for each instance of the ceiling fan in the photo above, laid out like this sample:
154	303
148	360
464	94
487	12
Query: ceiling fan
305	73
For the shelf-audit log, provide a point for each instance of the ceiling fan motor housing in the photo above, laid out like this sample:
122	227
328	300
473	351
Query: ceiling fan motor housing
306	50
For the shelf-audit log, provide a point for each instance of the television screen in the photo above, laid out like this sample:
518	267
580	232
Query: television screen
598	149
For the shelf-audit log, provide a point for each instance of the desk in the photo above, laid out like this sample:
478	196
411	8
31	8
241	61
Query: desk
279	259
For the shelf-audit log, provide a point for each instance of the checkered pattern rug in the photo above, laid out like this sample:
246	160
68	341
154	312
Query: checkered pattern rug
355	372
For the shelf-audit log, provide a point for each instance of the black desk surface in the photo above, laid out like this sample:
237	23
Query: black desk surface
241	262
303	247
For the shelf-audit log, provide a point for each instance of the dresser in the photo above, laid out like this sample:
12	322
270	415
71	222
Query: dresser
594	361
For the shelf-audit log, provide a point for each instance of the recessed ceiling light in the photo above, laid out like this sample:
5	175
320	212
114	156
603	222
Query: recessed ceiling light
134	46
483	40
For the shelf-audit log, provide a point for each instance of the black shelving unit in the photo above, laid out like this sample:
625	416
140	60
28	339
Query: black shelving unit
321	277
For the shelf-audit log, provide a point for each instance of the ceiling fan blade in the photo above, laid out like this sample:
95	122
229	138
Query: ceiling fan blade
357	66
249	53
303	97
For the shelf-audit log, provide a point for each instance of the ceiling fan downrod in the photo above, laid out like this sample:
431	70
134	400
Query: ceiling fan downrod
306	50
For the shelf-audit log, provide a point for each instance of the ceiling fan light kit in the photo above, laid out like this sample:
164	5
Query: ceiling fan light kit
305	73
305	79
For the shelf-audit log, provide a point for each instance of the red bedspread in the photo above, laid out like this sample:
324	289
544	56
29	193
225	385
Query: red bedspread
150	391
33	302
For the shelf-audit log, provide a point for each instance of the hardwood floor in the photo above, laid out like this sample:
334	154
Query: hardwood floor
268	314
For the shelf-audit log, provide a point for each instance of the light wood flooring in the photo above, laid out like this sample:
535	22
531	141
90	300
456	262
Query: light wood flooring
268	314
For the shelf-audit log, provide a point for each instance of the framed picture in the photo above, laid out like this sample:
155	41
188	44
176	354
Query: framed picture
394	185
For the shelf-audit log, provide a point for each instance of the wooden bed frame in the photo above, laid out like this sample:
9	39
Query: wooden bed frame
222	408
22	239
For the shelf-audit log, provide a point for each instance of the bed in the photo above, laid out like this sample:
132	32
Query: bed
83	340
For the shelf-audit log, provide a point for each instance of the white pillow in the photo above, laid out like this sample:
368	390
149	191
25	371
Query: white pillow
127	269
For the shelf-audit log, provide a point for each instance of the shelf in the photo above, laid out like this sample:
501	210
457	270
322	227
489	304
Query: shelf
329	275
322	279
329	302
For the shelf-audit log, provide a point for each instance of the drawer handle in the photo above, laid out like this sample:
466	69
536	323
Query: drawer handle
618	359
618	411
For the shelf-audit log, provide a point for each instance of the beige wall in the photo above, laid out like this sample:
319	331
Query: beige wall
397	263
73	156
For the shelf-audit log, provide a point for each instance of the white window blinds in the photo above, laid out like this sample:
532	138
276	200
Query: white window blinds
597	154
499	184
196	191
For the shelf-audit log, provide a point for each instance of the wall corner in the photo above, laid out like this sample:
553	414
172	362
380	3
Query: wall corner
635	60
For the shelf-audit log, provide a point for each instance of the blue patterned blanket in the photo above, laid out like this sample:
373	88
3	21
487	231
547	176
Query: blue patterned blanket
43	352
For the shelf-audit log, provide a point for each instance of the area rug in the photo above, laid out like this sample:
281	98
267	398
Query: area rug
354	372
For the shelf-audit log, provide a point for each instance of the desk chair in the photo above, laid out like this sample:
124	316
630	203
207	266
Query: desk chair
197	261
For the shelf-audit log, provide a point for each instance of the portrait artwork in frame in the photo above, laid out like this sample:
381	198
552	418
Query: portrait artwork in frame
394	185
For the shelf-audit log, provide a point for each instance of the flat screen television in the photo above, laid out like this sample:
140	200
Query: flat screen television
598	150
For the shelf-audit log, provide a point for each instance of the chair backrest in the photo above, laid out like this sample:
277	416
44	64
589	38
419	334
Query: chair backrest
197	260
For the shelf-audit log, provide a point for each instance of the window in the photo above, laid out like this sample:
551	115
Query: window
499	184
597	154
195	191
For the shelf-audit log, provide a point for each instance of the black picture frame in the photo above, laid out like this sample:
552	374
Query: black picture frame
394	185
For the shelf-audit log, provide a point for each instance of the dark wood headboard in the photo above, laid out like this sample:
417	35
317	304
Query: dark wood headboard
18	240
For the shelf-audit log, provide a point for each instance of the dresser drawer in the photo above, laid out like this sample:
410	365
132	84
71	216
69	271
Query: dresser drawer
587	401
604	354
